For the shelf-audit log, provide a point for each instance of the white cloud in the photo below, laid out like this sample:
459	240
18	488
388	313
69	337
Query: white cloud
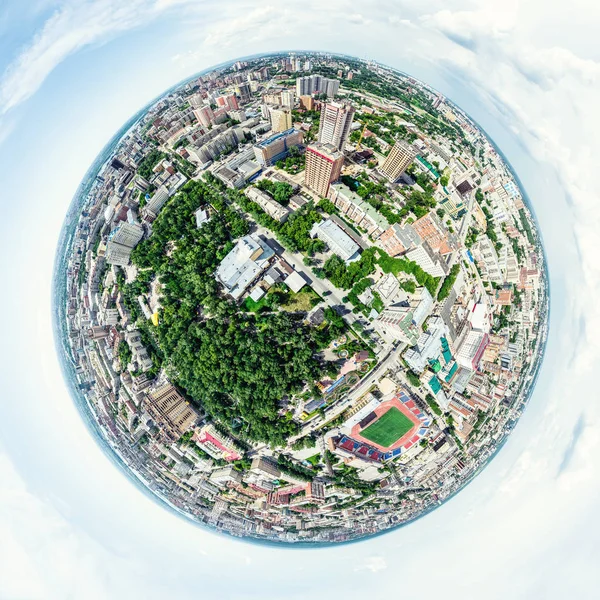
40	551
533	510
358	19
374	564
73	26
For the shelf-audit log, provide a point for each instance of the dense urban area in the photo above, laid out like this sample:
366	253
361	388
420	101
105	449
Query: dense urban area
305	300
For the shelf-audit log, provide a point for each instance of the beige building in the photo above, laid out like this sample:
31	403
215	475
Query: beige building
357	210
281	119
398	160
170	411
204	115
323	167
398	239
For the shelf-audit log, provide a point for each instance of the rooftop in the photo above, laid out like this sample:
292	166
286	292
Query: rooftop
243	264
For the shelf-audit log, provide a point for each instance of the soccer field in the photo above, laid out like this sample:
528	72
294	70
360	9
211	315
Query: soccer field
389	428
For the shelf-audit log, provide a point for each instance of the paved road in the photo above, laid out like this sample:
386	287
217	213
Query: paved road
331	295
358	390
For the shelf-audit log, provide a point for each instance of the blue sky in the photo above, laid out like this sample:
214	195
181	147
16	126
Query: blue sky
71	73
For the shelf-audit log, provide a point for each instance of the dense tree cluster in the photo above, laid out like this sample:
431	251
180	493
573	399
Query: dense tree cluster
448	282
238	366
125	354
149	162
279	190
345	276
403	265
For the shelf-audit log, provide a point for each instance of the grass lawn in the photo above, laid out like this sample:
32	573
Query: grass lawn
315	459
252	306
301	301
389	428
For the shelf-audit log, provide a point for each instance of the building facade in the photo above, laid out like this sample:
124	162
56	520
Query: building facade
335	124
397	161
323	167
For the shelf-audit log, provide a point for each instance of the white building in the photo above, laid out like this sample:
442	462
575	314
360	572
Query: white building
487	260
248	259
338	241
335	124
471	349
428	347
281	119
431	262
269	205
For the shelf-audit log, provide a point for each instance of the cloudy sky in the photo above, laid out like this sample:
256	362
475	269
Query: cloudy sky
71	73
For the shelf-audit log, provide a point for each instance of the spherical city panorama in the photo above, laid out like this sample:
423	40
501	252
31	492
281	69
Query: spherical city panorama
301	298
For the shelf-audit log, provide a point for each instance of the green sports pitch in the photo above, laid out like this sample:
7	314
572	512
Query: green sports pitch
388	429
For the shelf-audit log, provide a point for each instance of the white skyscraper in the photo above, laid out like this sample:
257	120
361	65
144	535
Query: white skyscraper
121	242
287	98
334	127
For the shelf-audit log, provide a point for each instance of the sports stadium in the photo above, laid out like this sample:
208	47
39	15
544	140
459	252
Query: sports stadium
389	429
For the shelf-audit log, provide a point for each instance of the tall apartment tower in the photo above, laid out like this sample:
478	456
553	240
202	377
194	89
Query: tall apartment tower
127	234
287	98
335	123
121	242
316	83
205	115
228	101
244	92
397	161
281	119
396	323
323	167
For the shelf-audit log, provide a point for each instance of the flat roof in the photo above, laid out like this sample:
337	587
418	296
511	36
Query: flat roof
338	241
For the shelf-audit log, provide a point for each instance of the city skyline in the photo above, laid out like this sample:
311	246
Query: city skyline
417	468
539	178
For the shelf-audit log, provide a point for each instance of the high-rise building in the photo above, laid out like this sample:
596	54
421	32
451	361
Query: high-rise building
204	115
264	467
430	261
307	102
398	239
316	83
117	254
244	92
323	167
228	101
97	332
330	87
303	86
277	146
121	242
335	123
396	323
160	196
196	100
471	349
170	411
287	98
397	161
281	119
127	234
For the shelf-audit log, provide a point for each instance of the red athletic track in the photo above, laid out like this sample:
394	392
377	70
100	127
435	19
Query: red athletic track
380	410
